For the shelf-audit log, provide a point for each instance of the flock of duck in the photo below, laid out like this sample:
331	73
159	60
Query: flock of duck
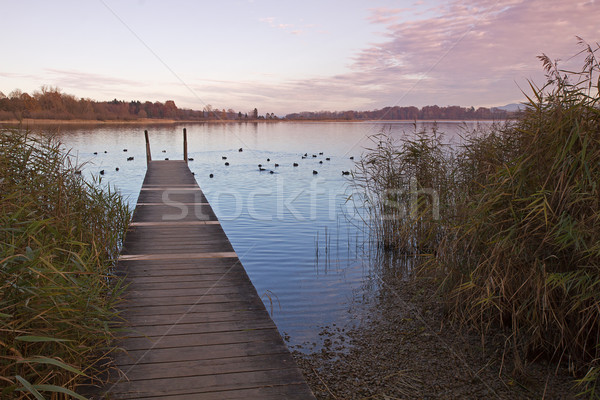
102	172
261	168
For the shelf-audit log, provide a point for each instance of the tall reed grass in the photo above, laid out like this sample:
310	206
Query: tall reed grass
408	187
59	238
517	240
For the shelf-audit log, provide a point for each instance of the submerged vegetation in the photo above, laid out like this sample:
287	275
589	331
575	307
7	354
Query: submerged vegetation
59	238
508	220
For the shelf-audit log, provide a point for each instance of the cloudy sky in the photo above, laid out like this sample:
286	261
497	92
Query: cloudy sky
286	56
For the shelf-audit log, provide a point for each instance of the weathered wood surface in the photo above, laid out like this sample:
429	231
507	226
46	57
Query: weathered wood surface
196	327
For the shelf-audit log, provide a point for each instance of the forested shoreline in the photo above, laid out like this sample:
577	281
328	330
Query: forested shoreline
50	103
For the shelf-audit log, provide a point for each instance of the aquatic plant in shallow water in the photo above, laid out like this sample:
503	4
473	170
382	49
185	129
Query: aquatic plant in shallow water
59	238
407	186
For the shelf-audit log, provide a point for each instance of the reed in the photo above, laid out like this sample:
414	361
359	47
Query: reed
59	238
517	241
407	184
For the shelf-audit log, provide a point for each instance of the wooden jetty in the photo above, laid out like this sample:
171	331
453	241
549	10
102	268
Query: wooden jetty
196	327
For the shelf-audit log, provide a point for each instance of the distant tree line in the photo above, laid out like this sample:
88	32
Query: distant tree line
407	113
51	103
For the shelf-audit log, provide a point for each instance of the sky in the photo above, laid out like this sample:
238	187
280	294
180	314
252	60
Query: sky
288	56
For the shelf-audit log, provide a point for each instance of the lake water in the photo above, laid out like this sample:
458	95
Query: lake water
294	231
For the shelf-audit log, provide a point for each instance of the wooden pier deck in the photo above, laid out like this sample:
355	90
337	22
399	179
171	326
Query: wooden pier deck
197	328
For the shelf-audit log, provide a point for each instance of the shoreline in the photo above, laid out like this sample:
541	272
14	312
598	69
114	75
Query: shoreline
156	121
406	348
145	121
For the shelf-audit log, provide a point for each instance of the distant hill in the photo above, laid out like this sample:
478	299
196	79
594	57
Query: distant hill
511	107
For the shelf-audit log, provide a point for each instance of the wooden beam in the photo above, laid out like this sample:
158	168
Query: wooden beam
148	154
185	151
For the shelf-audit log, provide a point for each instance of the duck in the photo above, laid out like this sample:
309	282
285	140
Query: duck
321	153
268	159
352	157
345	172
211	176
314	172
320	161
327	159
95	153
271	172
261	169
276	165
227	164
164	151
190	159
295	164
124	149
129	158
102	172
166	158
240	149
224	158
117	169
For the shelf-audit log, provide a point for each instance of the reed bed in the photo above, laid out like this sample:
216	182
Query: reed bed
407	186
516	239
59	239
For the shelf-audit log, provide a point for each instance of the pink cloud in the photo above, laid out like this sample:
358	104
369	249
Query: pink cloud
471	51
461	53
384	15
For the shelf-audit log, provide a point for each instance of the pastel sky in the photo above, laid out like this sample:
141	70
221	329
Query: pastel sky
287	56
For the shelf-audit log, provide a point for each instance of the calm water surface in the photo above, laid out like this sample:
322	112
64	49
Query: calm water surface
294	231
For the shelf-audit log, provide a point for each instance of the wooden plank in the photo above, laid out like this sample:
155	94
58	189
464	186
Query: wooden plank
207	367
207	383
207	276
167	270
134	266
225	281
206	298
168	256
199	339
194	326
178	203
174	228
191	308
172	223
199	328
157	293
191	318
173	211
156	196
276	392
190	353
171	188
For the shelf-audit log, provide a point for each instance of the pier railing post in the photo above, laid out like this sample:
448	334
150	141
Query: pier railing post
148	155
185	154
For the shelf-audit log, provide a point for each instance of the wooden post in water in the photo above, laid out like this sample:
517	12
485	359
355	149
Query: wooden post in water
185	155
148	155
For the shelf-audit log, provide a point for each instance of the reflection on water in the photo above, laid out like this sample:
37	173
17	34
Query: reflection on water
300	240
